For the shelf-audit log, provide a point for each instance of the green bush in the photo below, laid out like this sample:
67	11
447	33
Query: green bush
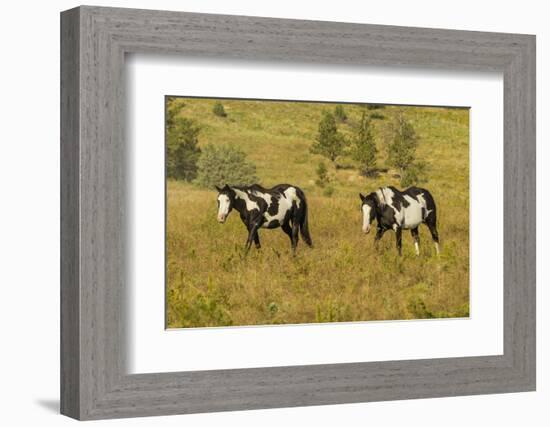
208	307
322	175
224	164
218	110
182	151
328	191
418	308
415	174
173	108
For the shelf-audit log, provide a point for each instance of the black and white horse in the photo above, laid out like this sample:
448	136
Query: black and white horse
398	210
282	206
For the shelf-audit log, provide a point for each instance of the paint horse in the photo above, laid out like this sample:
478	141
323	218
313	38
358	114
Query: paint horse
399	210
282	206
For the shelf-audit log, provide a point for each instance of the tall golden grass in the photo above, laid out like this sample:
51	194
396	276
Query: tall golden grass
344	277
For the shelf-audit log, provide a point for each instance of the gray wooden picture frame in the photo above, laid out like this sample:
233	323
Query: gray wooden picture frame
94	381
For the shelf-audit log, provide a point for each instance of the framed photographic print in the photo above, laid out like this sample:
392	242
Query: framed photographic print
262	213
220	150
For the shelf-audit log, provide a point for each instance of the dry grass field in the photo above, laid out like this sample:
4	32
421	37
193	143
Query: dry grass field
343	277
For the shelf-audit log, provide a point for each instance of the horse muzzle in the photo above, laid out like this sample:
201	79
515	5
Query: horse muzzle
221	218
366	230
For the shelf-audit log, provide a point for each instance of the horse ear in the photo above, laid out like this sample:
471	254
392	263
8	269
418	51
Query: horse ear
361	196
218	188
226	187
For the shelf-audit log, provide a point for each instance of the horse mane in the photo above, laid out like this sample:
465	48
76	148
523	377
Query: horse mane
380	201
247	187
259	188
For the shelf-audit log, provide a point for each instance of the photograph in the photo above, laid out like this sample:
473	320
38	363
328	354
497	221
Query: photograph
297	212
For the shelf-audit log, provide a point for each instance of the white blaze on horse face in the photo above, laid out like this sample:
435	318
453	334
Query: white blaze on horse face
223	208
366	218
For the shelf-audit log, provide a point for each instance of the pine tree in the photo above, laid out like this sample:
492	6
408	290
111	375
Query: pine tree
402	149
182	151
364	150
329	142
340	113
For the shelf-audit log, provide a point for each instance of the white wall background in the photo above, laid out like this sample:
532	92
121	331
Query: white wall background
29	212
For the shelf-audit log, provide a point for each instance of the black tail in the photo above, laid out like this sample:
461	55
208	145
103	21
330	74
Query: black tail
431	218
304	229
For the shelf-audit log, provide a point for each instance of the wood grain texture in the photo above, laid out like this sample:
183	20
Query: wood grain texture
70	220
94	272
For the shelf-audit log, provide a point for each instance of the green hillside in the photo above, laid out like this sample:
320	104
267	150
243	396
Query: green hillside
343	278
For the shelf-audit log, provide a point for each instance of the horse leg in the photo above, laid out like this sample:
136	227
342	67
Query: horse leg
416	237
295	230
398	232
288	230
379	233
257	240
435	236
252	231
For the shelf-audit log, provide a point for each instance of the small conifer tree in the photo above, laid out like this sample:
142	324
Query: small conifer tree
182	151
364	150
218	110
340	113
402	148
329	142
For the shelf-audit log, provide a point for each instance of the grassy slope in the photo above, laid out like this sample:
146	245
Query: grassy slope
343	278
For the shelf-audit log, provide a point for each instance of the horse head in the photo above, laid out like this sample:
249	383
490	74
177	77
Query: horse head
369	205
226	199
